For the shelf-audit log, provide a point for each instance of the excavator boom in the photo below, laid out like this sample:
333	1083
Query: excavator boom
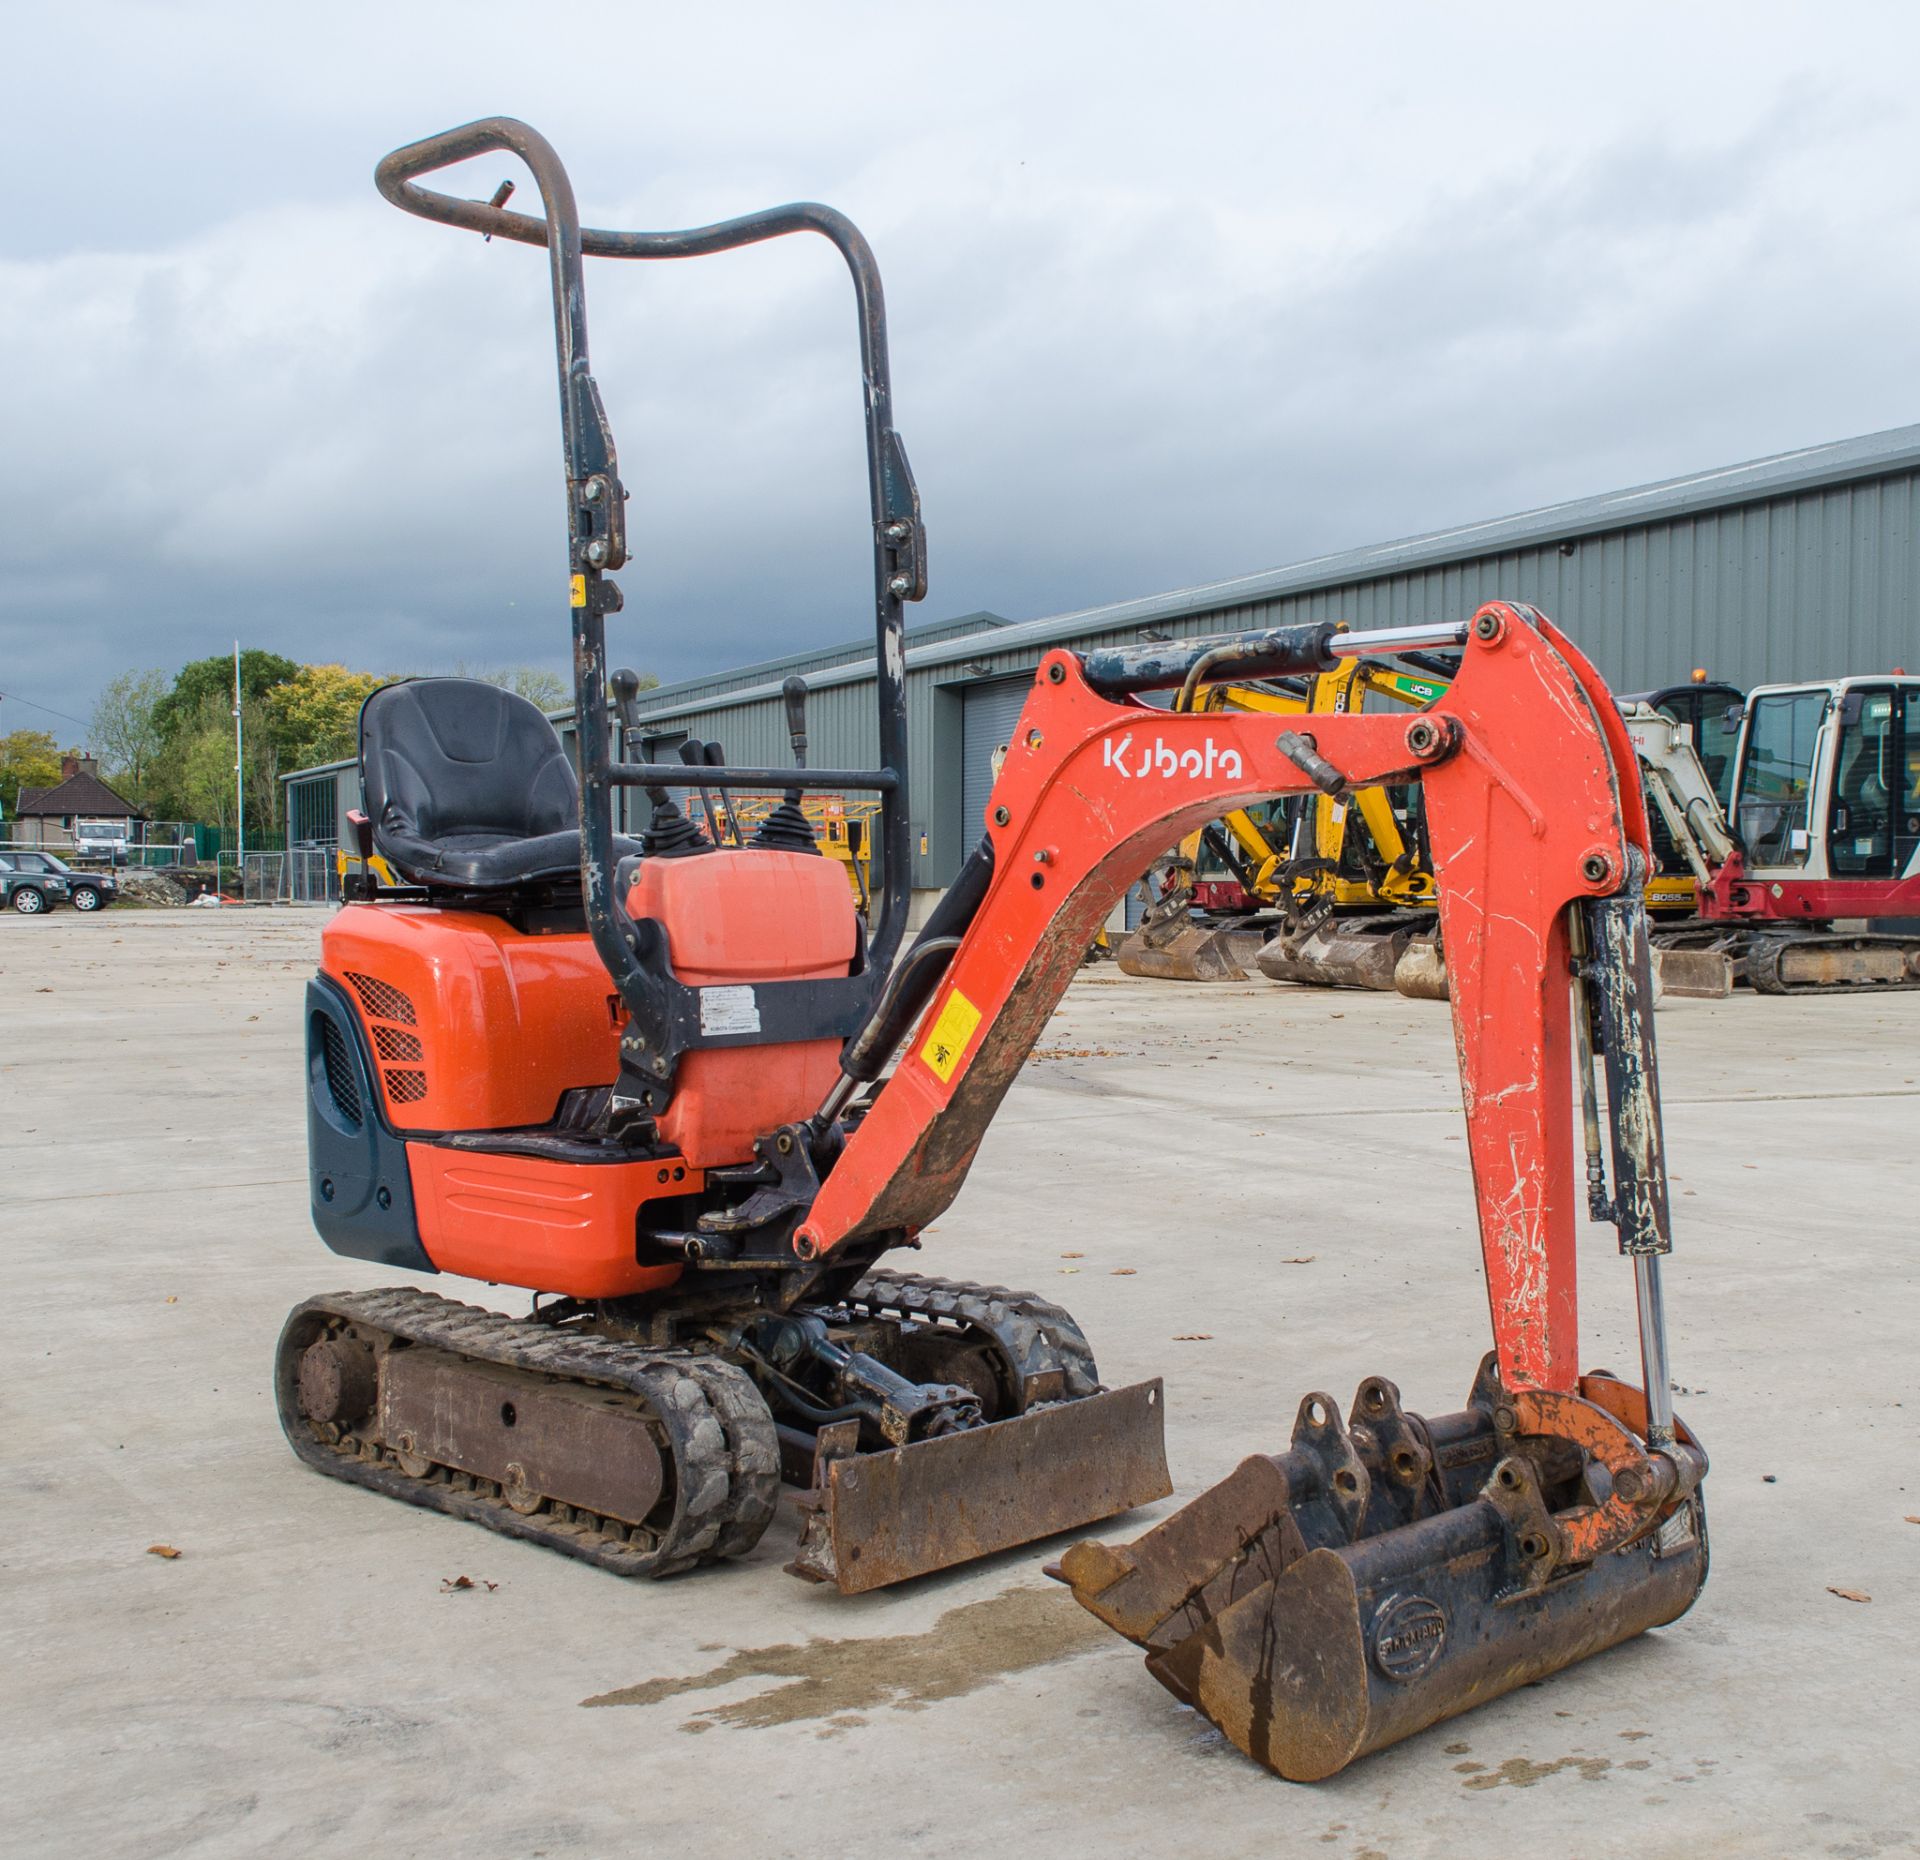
1390	1572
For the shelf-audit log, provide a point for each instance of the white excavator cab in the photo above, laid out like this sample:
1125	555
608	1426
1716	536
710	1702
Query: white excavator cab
1827	780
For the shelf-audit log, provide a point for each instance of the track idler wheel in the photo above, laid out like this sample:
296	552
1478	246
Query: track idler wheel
1392	1571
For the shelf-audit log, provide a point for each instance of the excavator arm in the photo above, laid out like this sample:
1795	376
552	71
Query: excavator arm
1389	1572
1528	813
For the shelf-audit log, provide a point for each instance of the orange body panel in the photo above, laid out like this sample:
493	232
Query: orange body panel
550	1226
474	1025
734	919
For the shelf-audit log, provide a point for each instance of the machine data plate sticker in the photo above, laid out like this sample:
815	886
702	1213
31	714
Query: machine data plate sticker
729	1010
951	1036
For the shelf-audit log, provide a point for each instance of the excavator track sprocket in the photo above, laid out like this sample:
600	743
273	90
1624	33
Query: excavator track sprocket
484	1417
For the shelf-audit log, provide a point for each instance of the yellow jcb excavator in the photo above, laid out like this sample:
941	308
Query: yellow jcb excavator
1286	870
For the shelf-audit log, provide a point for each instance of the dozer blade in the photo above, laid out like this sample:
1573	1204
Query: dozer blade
1358	952
878	1518
1382	1576
1696	974
1192	953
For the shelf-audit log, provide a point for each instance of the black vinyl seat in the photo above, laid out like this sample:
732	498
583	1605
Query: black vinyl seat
467	786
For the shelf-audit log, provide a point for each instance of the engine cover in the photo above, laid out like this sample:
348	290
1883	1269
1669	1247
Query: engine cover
734	920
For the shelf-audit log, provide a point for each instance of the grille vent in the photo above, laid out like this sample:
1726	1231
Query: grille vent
339	1066
390	1016
393	1043
382	1000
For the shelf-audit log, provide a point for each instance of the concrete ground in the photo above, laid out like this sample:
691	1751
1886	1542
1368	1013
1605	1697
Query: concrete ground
1279	1170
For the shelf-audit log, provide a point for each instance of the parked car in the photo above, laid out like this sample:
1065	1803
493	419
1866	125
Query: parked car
37	880
28	886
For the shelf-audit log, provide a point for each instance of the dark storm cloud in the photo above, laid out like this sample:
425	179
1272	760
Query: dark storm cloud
1174	298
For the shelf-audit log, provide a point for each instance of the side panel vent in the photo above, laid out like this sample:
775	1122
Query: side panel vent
390	1019
339	1068
382	1000
391	1043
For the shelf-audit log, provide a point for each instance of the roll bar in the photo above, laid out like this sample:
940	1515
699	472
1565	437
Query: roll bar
595	499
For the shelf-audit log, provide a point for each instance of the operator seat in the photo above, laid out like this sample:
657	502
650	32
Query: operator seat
467	786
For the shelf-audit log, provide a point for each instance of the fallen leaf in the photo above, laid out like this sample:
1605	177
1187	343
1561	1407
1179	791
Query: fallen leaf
1067	1272
1123	1272
1912	1520
448	1584
173	1298
1073	1256
1301	1259
1849	1595
165	1550
1194	1336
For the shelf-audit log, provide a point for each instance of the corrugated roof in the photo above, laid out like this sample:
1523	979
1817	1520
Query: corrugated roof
1874	455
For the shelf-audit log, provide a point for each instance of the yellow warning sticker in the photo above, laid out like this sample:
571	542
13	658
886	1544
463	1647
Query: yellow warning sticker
952	1034
579	591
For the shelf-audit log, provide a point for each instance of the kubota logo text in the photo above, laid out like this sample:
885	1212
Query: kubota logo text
1202	763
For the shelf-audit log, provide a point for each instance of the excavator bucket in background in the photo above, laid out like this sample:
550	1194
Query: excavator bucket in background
1180	950
1344	952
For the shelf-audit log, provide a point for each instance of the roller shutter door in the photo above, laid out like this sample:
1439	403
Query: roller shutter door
988	713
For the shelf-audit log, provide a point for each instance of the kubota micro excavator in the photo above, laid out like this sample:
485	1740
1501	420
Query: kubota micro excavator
650	1081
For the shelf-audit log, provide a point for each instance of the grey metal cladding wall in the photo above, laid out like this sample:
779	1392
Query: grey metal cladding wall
1813	585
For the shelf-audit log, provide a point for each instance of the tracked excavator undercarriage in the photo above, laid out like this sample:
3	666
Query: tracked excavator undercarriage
683	1094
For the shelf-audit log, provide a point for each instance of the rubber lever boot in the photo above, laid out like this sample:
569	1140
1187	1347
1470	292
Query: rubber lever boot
787	828
669	834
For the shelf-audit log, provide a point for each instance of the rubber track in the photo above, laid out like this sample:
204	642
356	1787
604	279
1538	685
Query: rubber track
1033	1334
726	1462
1764	959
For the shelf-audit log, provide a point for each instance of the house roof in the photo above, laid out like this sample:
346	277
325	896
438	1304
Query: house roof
78	794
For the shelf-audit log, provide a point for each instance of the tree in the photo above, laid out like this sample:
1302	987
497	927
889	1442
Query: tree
28	759
193	774
195	683
315	715
548	690
126	729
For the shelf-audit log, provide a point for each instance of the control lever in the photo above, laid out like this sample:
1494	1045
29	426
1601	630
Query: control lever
787	827
794	694
625	684
695	755
669	833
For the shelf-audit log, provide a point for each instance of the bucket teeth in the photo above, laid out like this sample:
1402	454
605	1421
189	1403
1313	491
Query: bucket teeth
1325	1602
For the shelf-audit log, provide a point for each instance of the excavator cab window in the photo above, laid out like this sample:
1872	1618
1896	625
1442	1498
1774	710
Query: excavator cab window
1775	782
1869	785
1716	737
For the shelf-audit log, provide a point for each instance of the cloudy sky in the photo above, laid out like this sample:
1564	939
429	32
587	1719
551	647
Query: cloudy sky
1177	291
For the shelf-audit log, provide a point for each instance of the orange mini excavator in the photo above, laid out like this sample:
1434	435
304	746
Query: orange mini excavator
673	1087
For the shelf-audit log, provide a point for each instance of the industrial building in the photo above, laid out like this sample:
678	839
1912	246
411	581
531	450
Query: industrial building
1803	564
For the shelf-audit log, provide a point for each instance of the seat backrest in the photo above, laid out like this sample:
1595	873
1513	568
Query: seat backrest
454	759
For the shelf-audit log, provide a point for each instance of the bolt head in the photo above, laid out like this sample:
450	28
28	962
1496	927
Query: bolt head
902	585
1001	816
596	489
596	552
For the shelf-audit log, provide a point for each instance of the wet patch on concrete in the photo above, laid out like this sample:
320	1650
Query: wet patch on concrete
831	1681
1523	1773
